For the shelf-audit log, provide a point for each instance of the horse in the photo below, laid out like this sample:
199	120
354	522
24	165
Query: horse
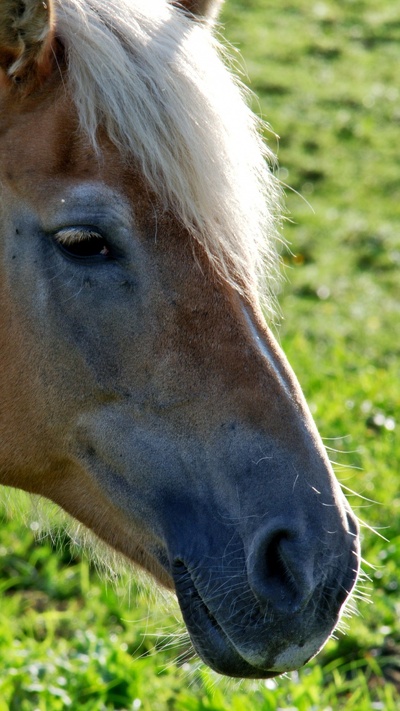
142	390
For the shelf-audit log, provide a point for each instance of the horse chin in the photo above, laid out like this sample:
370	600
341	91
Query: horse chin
217	649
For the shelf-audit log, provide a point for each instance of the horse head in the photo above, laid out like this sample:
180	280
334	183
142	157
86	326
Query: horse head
141	389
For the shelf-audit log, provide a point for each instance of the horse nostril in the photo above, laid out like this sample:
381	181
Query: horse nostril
280	571
277	569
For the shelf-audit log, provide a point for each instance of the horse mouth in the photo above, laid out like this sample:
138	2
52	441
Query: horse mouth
208	637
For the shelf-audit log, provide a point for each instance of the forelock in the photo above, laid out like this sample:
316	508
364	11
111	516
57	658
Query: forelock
155	81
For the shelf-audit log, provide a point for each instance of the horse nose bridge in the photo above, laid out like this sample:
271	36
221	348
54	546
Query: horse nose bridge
274	393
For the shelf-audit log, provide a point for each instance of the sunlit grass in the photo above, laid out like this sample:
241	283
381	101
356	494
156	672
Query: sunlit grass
326	77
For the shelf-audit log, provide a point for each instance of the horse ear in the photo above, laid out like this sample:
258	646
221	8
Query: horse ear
26	41
207	9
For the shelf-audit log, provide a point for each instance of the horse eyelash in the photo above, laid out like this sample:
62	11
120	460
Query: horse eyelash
70	236
83	242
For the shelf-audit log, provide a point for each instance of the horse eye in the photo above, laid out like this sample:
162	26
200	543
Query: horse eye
81	243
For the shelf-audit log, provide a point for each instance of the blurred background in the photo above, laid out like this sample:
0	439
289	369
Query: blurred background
325	77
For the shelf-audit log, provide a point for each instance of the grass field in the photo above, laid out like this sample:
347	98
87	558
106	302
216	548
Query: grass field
326	79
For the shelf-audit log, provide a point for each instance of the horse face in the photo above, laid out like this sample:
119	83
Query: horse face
150	401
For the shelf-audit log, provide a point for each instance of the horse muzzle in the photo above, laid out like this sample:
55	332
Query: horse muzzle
270	612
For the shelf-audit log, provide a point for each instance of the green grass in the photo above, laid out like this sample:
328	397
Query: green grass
326	77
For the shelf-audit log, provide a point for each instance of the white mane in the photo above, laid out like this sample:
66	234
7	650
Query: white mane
154	80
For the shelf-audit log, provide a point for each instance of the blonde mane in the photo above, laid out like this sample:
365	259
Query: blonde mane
155	81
